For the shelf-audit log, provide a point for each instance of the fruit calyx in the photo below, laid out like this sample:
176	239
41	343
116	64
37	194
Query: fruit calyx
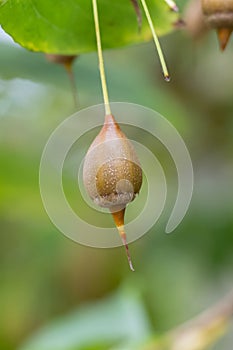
219	15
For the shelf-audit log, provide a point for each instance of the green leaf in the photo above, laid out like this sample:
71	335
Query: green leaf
66	27
120	318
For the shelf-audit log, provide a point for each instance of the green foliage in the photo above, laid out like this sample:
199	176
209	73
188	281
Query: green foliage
120	318
45	278
67	27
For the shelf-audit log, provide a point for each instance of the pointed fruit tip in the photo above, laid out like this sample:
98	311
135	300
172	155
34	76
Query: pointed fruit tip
167	77
131	266
223	37
118	217
123	237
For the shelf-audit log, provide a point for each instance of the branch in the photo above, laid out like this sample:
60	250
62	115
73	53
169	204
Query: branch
200	332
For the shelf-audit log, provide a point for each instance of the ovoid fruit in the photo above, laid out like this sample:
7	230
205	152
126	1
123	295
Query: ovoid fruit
65	60
112	174
194	20
219	15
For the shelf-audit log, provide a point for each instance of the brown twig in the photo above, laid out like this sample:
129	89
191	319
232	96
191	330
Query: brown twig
200	332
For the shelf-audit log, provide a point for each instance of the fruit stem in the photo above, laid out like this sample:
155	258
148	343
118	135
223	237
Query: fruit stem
156	40
70	73
172	5
101	59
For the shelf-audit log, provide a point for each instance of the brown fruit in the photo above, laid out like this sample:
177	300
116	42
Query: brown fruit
219	15
194	19
66	61
111	173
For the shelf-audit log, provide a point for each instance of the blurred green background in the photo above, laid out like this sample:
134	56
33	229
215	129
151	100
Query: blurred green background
44	277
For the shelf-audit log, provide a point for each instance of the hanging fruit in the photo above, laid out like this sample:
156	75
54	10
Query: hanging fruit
112	174
67	62
194	19
219	15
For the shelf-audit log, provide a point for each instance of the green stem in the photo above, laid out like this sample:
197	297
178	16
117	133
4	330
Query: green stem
172	5
156	40
101	60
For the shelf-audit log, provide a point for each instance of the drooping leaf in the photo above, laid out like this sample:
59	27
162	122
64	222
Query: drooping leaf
66	27
120	318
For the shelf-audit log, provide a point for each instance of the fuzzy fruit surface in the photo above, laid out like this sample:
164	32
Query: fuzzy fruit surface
218	13
112	173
